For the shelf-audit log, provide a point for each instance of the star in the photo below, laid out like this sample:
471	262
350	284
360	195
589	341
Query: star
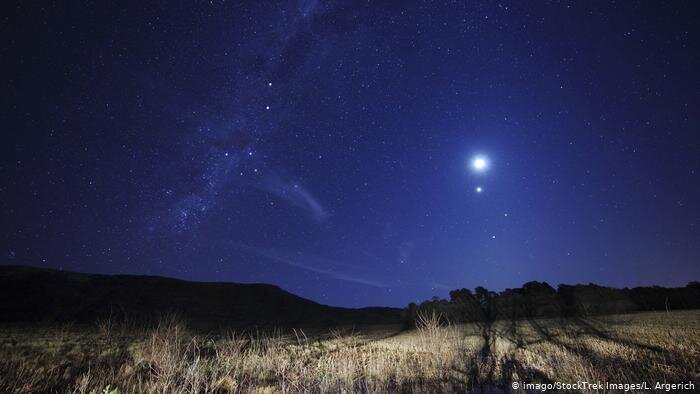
479	189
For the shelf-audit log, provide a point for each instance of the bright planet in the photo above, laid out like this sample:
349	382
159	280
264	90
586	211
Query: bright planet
480	163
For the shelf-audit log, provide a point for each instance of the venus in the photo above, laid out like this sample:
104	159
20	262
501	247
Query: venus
480	164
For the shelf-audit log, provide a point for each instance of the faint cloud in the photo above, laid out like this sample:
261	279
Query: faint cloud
295	194
307	7
309	263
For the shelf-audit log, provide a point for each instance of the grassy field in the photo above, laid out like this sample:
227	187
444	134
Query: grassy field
106	357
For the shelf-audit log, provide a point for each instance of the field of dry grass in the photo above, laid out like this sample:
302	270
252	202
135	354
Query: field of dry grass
110	358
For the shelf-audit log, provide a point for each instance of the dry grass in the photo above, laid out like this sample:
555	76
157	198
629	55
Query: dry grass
435	357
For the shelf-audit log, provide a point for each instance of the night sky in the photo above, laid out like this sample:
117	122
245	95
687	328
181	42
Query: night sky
354	153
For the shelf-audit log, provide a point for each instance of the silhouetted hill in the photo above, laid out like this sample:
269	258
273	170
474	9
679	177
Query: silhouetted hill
29	294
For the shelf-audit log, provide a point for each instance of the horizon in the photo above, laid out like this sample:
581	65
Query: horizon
440	296
355	154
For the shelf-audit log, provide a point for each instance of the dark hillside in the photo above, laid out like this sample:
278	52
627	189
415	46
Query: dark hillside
30	294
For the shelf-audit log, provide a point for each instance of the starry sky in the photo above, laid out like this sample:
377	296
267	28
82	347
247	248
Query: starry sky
355	153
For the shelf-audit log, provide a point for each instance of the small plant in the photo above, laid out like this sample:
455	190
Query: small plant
107	390
429	324
105	327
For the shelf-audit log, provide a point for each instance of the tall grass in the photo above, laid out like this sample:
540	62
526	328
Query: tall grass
437	356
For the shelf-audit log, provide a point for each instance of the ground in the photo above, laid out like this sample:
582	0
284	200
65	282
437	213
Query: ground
620	349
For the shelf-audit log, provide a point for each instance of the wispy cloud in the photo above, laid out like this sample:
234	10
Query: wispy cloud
295	194
309	263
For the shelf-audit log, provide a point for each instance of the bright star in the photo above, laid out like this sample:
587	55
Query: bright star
480	163
479	189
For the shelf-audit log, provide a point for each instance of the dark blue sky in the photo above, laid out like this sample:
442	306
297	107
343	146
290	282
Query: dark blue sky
325	146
